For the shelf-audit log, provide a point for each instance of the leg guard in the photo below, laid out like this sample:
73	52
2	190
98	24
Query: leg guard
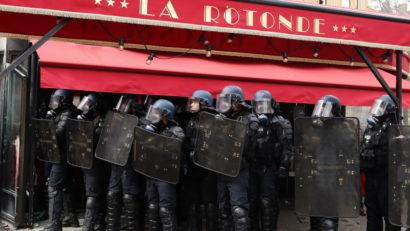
132	212
70	218
224	220
195	218
254	215
211	217
269	216
240	218
91	214
152	222
168	219
374	221
113	211
328	223
55	207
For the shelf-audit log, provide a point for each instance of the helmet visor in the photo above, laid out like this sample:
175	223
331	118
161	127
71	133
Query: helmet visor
193	105
55	102
263	106
323	109
85	104
125	104
223	103
154	114
379	108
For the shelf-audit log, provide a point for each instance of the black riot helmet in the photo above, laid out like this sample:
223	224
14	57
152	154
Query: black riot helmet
162	108
229	96
263	103
127	104
90	104
199	99
327	106
60	98
382	107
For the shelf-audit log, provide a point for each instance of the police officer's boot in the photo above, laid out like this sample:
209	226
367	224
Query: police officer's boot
132	212
168	219
152	222
389	226
55	209
254	215
91	214
374	221
195	218
240	218
328	223
224	220
211	217
269	216
314	224
70	216
113	211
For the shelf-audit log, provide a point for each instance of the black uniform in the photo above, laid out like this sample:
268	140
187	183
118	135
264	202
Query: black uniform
273	146
59	179
95	181
374	159
162	196
233	191
201	185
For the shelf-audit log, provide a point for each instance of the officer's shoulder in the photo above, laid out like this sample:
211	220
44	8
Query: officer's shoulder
177	131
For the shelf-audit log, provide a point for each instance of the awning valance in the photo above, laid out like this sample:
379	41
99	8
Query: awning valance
106	69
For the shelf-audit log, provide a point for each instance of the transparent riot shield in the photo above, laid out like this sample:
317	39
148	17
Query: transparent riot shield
157	156
399	175
219	144
80	151
114	144
46	141
327	177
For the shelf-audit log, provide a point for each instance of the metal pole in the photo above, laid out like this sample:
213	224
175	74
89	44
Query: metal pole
399	65
33	48
377	74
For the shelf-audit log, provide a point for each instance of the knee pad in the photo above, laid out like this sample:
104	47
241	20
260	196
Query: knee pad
240	214
91	203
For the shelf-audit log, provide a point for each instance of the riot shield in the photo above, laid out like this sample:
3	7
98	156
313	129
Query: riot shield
114	144
80	143
219	144
157	156
327	177
399	175
46	141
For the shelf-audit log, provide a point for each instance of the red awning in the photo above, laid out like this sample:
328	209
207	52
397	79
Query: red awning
107	69
270	29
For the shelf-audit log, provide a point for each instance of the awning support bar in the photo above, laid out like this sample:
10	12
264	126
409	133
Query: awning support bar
399	64
377	74
34	48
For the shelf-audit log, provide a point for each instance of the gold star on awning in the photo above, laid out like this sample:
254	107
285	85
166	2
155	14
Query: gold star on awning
98	2
344	28
110	2
335	28
124	4
353	29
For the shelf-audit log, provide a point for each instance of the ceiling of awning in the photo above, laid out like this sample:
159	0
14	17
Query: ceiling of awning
107	69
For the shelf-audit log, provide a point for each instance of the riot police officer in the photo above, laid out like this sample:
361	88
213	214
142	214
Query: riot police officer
232	191
61	109
327	106
374	159
126	187
270	154
95	179
201	183
161	196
